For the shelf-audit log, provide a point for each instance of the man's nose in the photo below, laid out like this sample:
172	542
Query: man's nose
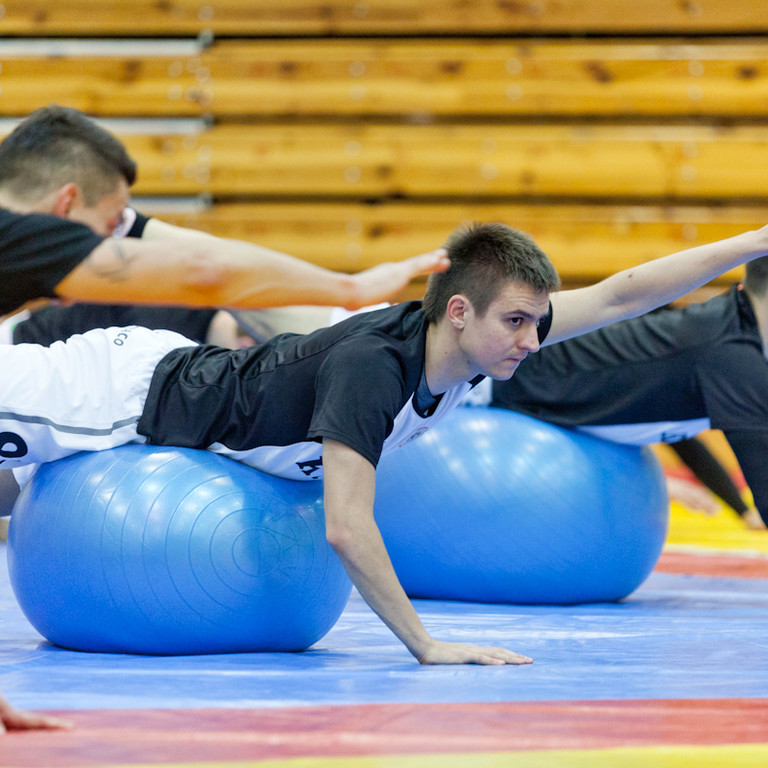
531	340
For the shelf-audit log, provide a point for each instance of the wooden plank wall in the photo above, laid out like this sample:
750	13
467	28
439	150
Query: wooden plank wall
353	132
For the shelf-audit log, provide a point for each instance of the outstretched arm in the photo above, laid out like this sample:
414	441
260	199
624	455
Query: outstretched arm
209	271
15	720
353	533
634	291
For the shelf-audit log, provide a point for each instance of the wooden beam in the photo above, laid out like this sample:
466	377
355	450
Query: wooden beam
375	78
460	160
377	17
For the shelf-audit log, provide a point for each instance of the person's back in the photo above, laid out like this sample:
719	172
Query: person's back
270	405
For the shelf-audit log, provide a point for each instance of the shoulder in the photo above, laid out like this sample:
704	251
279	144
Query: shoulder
710	322
397	332
41	225
37	251
398	322
724	319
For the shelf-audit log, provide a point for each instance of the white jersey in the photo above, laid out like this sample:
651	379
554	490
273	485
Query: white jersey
86	393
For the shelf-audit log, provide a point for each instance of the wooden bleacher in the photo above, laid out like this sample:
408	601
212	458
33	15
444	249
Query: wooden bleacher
513	77
294	18
352	132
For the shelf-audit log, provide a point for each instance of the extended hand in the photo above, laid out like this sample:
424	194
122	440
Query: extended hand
461	653
385	281
692	495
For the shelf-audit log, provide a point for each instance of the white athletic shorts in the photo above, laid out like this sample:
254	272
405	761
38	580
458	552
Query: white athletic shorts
83	394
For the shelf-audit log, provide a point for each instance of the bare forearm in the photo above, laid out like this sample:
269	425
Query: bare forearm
260	277
366	560
355	537
212	272
202	272
662	280
632	292
353	533
370	569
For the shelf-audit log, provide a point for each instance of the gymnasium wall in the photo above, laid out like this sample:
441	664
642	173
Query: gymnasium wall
350	133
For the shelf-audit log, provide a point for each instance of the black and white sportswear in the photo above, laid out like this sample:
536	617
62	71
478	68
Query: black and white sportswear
273	405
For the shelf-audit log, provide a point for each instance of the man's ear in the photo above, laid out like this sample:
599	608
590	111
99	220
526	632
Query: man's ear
66	198
457	310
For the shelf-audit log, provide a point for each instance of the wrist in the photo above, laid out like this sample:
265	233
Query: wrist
757	242
421	650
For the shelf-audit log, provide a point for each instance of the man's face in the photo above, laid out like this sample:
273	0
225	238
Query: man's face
104	217
496	343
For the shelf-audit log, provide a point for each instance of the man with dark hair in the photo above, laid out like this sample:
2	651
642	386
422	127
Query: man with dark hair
665	377
59	158
44	256
329	404
64	193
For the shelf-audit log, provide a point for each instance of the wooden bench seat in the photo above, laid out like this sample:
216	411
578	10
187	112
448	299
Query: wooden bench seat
377	17
613	131
466	160
388	77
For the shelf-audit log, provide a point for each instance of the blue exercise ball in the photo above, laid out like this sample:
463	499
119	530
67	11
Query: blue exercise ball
494	506
150	550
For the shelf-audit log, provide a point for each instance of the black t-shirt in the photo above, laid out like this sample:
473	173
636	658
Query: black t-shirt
660	377
353	382
37	251
53	323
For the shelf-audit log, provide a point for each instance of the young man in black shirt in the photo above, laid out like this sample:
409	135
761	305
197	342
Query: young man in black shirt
64	189
328	404
64	193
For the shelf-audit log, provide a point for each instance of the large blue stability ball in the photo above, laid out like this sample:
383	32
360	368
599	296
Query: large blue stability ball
150	550
494	506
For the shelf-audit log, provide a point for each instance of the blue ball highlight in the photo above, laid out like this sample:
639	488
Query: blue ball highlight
494	506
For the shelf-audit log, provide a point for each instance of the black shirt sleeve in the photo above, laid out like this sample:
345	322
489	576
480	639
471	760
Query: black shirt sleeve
134	224
545	325
37	251
360	390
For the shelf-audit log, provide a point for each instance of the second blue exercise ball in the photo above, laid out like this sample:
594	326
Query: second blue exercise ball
494	506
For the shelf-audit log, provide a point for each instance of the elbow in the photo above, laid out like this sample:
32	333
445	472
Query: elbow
620	301
340	537
204	273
